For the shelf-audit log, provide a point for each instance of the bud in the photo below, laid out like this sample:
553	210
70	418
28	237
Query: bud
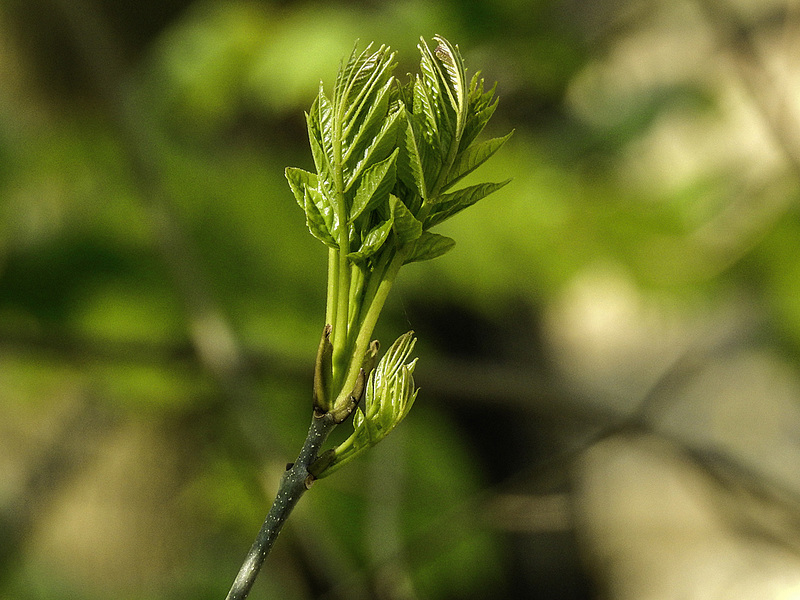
390	393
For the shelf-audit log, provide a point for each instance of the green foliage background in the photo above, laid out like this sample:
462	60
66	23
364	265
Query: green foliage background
138	465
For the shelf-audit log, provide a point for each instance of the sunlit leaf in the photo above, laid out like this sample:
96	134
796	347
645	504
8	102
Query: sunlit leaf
316	222
480	109
435	96
361	98
410	168
429	245
366	124
372	241
359	78
320	129
453	203
347	69
406	226
454	75
390	393
374	186
442	96
321	160
380	147
298	180
473	157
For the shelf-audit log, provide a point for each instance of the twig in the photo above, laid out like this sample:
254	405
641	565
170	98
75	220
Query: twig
295	481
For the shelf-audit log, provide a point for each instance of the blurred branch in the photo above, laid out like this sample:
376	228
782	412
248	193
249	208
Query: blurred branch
755	505
529	513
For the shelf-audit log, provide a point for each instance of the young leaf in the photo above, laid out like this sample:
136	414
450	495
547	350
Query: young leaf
406	226
423	106
321	160
379	148
298	181
473	157
361	97
373	241
367	73
320	132
446	95
366	125
410	160
429	245
435	96
316	222
390	394
454	74
390	389
480	109
455	202
374	187
346	70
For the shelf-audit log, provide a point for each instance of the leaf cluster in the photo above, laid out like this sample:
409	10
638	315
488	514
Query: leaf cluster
387	158
387	155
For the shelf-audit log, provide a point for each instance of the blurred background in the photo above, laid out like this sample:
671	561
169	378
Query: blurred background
610	398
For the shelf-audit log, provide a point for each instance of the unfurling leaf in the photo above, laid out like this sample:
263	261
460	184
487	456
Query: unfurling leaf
320	227
390	152
390	393
373	241
374	187
429	245
454	202
320	132
472	158
379	148
410	161
441	95
360	131
406	226
298	181
480	109
454	74
361	100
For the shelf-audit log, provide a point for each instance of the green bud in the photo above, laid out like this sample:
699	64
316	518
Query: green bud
390	393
